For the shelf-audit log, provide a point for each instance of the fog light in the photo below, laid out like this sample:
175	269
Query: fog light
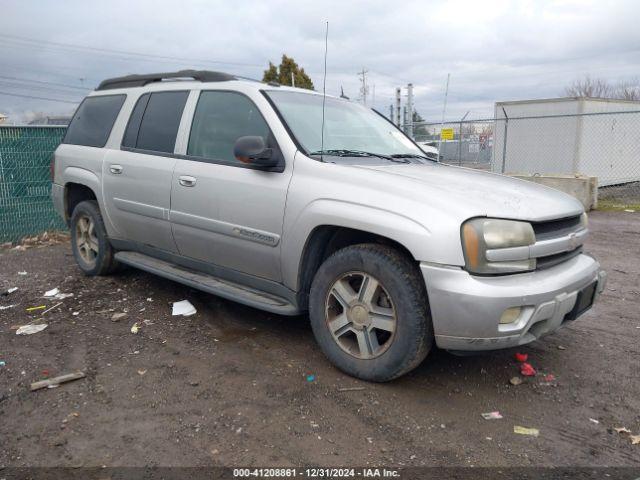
510	315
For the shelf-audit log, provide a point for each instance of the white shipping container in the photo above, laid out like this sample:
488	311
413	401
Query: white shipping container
554	141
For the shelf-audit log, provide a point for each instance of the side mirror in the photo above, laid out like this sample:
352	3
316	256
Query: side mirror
253	151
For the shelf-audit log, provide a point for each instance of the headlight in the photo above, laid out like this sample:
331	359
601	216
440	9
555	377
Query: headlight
482	234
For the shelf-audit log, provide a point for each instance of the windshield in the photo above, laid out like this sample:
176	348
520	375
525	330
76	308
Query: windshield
348	126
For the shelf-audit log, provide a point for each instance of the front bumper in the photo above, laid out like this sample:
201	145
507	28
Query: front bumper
466	309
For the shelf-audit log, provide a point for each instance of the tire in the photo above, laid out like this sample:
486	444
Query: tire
386	331
89	242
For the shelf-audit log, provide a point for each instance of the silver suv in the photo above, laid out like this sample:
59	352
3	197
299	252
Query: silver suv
287	201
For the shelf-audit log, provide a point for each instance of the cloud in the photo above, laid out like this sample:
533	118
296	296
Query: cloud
494	50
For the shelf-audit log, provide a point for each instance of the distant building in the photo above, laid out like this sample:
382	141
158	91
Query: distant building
51	120
3	119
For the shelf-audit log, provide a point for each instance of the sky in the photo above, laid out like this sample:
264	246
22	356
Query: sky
493	50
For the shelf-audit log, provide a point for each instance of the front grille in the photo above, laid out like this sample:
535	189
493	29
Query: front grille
556	228
552	260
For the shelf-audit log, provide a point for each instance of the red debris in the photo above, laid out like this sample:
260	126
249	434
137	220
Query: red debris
45	373
521	357
527	370
549	377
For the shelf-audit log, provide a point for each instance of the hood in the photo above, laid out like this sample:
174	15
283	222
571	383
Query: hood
478	193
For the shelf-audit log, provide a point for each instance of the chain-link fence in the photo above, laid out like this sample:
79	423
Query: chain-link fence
25	183
605	145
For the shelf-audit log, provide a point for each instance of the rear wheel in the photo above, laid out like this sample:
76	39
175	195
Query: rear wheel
89	242
369	312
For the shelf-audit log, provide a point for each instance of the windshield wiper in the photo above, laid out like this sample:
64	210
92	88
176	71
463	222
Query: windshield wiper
341	152
411	155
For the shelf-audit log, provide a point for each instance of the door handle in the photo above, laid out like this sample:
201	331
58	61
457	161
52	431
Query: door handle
187	181
116	169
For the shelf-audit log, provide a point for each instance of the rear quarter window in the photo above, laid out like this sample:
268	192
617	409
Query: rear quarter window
92	123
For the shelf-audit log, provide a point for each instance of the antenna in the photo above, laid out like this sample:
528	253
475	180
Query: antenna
324	91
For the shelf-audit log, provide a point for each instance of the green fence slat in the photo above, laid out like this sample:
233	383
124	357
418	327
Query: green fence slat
25	185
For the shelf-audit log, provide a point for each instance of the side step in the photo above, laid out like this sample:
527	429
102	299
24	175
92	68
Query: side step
208	283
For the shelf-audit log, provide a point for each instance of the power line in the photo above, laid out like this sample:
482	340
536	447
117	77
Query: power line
84	89
30	42
38	98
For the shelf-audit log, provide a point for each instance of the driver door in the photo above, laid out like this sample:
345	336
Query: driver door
223	211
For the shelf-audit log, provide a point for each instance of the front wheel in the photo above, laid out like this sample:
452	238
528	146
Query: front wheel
369	312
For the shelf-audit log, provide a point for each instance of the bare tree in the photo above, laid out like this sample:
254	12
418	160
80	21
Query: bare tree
590	87
600	88
628	89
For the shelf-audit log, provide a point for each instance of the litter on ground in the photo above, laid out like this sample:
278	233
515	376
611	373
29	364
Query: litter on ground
51	308
6	307
56	381
622	430
183	308
635	439
10	290
515	381
30	329
22	273
491	416
135	328
527	370
39	307
311	377
521	357
534	432
593	420
52	293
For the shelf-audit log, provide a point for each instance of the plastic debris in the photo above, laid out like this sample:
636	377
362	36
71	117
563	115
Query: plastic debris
52	293
62	296
550	377
527	370
6	307
491	416
117	316
350	389
2	363
39	307
135	328
51	308
7	292
56	381
521	357
31	329
622	430
635	439
22	273
141	372
560	347
629	210
183	308
593	420
534	432
311	377
515	381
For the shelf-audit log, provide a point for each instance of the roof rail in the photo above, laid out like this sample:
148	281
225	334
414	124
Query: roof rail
141	80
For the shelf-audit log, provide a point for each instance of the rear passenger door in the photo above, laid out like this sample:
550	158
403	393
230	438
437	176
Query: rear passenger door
137	178
225	212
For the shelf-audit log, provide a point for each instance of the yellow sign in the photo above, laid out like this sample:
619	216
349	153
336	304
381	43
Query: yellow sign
446	134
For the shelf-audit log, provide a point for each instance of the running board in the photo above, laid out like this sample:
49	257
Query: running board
208	283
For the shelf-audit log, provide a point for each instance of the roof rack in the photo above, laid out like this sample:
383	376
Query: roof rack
142	80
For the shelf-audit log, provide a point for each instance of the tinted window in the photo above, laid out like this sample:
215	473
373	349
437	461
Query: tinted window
160	121
220	119
131	133
93	121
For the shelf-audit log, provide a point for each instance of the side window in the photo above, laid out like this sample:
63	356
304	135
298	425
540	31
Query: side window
219	120
93	121
155	121
133	127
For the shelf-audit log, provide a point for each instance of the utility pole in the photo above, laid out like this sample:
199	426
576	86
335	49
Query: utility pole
391	112
404	119
398	105
293	80
364	88
409	128
444	111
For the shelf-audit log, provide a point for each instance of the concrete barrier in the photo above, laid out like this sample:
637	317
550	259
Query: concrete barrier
581	187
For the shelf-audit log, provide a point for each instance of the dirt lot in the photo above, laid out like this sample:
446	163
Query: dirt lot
228	386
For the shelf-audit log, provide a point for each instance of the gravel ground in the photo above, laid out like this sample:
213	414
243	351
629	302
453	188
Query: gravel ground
229	386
